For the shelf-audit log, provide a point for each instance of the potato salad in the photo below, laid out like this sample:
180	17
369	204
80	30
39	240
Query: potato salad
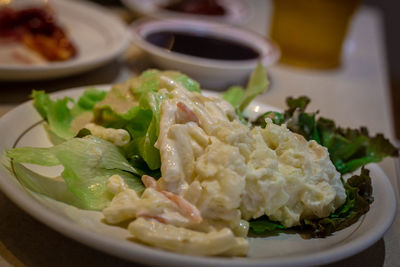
191	173
217	174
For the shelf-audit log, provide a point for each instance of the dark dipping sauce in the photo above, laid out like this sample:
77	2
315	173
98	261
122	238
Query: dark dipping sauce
204	46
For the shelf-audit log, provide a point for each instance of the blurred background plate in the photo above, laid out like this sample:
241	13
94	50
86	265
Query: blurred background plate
98	35
234	11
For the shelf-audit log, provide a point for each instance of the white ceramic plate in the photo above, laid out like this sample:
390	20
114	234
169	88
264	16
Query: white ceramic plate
98	35
23	127
237	11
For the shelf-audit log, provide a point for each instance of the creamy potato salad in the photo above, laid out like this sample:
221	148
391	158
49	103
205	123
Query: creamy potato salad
189	173
217	174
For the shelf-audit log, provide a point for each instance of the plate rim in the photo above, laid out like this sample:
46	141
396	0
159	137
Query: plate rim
149	255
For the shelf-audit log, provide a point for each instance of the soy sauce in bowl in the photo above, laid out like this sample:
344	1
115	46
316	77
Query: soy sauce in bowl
216	55
202	45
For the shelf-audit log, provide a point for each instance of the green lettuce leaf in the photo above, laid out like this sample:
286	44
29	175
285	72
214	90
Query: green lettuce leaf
154	80
38	155
58	114
190	84
240	98
135	107
257	84
146	133
276	118
51	187
264	225
141	166
88	162
141	120
234	95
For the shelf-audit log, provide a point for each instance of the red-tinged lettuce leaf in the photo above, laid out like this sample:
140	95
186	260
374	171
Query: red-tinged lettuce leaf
359	197
349	149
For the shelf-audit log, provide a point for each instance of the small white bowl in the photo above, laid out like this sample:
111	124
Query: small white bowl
210	73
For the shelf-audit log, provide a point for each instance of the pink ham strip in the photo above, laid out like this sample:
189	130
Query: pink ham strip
189	114
143	214
184	206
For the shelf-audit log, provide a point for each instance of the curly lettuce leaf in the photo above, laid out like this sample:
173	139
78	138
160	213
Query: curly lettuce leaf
359	197
88	162
349	149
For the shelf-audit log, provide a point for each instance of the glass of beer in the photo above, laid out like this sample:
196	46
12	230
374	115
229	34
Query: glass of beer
311	33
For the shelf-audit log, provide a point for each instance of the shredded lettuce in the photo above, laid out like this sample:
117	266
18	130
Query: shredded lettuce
88	162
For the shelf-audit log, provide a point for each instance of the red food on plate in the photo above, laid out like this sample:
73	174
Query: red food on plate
37	29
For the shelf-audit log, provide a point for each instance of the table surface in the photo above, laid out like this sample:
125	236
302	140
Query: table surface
355	95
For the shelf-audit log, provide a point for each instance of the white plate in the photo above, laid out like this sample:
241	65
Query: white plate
98	35
237	12
24	128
